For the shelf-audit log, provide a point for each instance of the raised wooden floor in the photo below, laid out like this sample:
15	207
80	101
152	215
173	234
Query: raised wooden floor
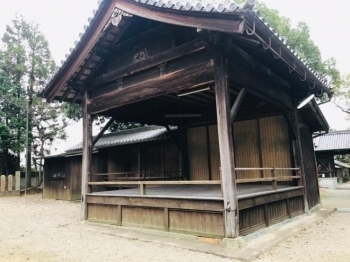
194	209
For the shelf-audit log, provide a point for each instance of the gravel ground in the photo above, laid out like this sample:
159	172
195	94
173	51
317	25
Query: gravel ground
33	229
325	241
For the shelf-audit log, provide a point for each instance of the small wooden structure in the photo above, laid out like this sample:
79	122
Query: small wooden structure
231	86
327	146
142	153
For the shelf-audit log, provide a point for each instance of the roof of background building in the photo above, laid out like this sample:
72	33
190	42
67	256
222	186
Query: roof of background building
130	136
341	164
333	141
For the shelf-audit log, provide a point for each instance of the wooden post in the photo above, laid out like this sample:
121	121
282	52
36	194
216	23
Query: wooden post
142	189
86	164
299	157
274	182
228	179
166	219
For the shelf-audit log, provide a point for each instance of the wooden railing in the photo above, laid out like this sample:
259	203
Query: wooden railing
142	183
143	175
273	177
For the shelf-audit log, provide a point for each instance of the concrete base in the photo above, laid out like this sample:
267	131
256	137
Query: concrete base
9	193
328	182
234	243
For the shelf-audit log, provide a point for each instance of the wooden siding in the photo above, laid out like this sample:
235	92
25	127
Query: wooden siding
148	217
171	160
214	153
311	177
194	217
261	142
196	223
247	149
122	159
56	189
69	188
103	213
275	144
198	153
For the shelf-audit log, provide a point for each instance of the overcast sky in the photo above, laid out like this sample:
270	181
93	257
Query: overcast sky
62	20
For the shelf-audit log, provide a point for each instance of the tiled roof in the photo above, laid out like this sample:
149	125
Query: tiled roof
333	141
341	164
220	6
215	6
131	136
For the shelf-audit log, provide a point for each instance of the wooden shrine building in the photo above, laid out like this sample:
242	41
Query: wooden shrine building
229	84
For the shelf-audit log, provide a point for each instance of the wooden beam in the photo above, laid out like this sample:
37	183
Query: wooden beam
102	52
260	81
65	94
77	87
103	130
228	177
237	104
86	163
258	88
182	79
78	56
144	36
204	20
166	56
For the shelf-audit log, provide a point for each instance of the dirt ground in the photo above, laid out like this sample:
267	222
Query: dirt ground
33	229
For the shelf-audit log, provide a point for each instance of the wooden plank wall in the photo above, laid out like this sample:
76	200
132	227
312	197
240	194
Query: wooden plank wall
56	189
257	143
198	153
156	159
275	144
70	187
247	148
311	175
195	217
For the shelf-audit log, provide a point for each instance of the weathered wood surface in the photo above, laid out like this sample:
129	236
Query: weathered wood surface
182	79
310	167
87	155
103	130
298	154
217	182
164	57
237	104
218	22
188	204
245	71
226	147
196	217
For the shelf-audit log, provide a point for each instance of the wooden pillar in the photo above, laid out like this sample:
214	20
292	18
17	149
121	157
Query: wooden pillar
228	179
86	163
299	157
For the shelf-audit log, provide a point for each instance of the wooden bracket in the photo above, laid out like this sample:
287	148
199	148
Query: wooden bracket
103	130
237	104
120	83
162	69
